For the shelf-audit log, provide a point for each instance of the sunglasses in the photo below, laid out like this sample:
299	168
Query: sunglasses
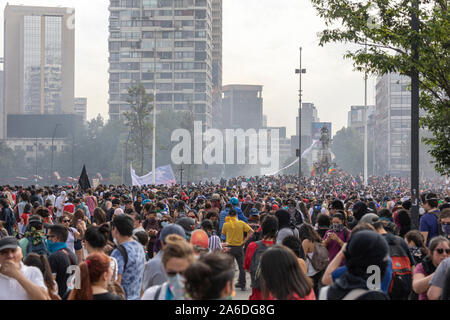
66	221
441	251
173	273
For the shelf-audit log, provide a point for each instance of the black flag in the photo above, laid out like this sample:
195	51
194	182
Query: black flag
84	180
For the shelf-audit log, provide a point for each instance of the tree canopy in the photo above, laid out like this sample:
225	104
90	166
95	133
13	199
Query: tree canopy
385	26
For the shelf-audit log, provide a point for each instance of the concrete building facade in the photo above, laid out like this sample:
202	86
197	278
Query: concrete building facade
356	117
217	43
393	125
80	107
39	44
242	106
167	46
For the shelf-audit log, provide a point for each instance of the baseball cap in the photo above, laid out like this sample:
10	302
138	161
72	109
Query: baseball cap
369	218
234	201
275	207
171	229
8	243
254	212
187	224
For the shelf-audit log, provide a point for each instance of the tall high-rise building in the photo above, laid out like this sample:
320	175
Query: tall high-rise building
166	45
39	44
217	63
2	113
356	117
393	125
242	106
80	107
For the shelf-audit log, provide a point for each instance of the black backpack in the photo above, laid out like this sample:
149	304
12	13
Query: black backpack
255	267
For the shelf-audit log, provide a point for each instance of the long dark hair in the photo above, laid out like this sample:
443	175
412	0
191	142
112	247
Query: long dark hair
306	231
404	221
41	262
281	275
206	278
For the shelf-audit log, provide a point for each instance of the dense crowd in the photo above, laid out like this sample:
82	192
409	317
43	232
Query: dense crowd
319	238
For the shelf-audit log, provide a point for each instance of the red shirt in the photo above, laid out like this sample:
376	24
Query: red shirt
310	296
25	216
69	208
256	294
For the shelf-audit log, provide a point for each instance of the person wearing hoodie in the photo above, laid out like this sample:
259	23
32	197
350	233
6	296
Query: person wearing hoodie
285	227
234	203
365	249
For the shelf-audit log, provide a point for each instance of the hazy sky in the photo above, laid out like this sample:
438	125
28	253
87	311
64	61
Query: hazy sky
261	40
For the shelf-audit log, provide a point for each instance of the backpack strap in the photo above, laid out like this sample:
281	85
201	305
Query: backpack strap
124	254
355	294
157	293
69	256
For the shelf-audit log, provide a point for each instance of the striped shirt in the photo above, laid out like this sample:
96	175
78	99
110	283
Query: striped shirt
214	243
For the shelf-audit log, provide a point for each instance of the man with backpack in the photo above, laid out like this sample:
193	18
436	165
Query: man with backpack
34	238
402	263
254	251
129	254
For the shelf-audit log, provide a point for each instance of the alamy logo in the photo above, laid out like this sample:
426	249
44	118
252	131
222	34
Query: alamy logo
218	147
374	280
70	23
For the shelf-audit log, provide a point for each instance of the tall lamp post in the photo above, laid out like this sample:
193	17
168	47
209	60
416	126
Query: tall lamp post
51	166
365	126
414	121
300	71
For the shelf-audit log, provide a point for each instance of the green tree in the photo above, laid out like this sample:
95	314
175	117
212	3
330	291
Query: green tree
137	120
385	26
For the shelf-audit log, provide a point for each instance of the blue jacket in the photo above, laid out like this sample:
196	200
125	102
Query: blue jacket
224	214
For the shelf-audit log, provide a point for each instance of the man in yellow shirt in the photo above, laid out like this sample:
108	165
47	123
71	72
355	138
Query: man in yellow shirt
234	230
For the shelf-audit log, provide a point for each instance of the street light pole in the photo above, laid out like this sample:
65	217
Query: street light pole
154	114
300	71
365	126
414	121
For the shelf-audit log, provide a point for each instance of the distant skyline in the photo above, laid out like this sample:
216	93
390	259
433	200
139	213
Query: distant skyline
261	40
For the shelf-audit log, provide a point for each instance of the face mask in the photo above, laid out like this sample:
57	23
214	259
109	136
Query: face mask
336	227
446	228
176	286
164	224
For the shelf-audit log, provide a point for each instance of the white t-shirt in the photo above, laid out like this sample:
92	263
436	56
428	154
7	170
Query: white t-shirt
10	289
149	294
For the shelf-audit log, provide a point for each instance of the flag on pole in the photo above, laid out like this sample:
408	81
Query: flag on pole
332	168
84	180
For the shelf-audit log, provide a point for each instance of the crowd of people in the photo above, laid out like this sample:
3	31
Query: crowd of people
295	238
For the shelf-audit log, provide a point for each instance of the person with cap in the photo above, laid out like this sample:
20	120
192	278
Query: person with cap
200	242
154	273
253	219
359	210
188	224
365	249
18	281
429	222
34	240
